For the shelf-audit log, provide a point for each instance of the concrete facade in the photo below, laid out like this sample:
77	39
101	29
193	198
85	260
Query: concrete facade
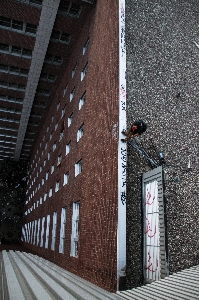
162	89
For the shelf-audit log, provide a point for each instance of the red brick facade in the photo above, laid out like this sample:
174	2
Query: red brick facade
96	187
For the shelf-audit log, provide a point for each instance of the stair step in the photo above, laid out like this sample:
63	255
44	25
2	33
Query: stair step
31	277
70	280
14	288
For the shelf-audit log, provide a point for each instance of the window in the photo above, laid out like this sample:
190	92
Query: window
14	50
13	70
48	77
59	36
74	70
20	26
72	94
40	169
38	232
35	233
59	159
47	129
58	106
54	230
84	71
37	2
32	231
5	22
53	59
45	196
40	200
50	192
52	169
42	232
75	230
47	231
12	86
68	147
80	133
85	47
78	168
46	145
48	155
54	146
82	100
51	135
44	163
5	48
62	230
56	126
31	29
43	92
63	112
42	181
65	90
11	99
70	120
57	186
38	186
66	178
61	135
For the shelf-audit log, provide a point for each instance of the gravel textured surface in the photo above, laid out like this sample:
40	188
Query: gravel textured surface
162	40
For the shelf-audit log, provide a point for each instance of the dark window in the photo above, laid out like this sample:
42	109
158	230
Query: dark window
51	77
74	9
14	70
46	92
19	100
49	57
64	6
30	28
4	47
17	25
6	22
16	50
13	85
55	34
3	83
44	76
65	37
27	52
58	59
3	68
38	2
21	87
23	71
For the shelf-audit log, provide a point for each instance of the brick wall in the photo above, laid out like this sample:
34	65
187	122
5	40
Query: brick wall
96	186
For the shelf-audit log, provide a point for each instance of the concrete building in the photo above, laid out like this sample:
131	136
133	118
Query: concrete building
65	67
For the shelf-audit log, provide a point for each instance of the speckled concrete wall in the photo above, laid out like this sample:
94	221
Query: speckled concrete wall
162	88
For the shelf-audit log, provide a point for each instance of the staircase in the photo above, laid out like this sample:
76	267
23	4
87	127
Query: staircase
183	285
25	276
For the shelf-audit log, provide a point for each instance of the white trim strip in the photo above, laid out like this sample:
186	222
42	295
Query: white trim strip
122	154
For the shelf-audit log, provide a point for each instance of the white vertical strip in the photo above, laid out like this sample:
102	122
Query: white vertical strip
122	155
